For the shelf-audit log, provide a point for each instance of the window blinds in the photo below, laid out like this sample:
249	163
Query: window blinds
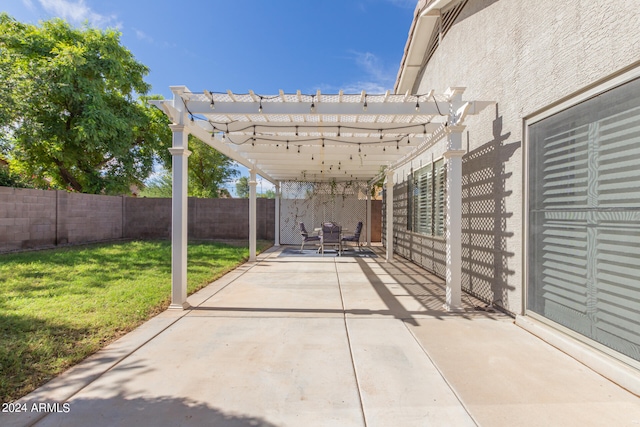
584	219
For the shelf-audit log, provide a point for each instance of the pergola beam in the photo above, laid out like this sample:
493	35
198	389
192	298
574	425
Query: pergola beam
358	154
321	108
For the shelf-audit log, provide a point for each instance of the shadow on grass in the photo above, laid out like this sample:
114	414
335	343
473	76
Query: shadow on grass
34	351
70	285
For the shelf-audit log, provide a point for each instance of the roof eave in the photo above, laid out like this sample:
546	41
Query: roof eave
425	19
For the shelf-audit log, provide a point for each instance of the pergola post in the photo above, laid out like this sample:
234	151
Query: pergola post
389	215
179	201
453	155
369	215
252	215
277	216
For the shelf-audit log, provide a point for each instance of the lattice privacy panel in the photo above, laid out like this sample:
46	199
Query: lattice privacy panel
316	202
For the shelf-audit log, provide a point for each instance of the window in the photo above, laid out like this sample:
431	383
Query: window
583	244
426	200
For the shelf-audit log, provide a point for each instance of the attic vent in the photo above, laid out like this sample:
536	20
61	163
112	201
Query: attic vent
443	26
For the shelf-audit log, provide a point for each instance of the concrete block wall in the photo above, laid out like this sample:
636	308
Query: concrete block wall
229	218
147	218
32	219
88	217
27	218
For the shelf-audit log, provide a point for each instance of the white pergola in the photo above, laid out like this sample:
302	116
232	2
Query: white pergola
318	138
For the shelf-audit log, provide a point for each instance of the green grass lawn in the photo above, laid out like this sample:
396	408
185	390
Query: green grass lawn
59	306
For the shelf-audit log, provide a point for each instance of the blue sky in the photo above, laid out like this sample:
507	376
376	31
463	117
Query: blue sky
249	44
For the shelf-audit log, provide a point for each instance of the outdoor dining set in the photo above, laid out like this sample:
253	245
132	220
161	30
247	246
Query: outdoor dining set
332	235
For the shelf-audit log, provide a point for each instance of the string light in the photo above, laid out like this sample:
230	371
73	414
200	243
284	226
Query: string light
380	130
338	131
313	104
364	107
287	144
322	142
359	149
417	103
296	130
254	130
260	107
213	104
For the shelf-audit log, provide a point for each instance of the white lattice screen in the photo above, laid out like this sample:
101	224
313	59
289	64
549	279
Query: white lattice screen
316	202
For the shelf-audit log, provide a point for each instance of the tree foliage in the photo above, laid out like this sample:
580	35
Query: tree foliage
73	112
158	186
242	187
209	170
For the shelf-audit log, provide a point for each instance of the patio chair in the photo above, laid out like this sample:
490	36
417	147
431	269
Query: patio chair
331	236
308	238
355	238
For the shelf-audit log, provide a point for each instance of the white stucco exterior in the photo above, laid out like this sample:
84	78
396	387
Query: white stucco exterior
526	56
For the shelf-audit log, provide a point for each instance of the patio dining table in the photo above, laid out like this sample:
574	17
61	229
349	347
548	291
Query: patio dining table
337	241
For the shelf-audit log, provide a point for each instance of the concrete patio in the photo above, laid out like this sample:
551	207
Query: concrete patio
340	341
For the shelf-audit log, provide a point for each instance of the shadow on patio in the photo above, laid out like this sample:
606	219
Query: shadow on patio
349	341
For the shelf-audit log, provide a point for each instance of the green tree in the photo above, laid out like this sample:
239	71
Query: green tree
158	186
269	194
209	170
73	110
242	187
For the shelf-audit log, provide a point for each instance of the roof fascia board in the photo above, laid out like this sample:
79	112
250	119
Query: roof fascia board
423	25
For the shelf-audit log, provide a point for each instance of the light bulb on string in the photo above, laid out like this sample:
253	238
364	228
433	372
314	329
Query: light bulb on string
417	103
213	104
364	106
260	107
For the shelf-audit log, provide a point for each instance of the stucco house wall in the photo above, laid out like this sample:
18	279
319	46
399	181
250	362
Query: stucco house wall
525	56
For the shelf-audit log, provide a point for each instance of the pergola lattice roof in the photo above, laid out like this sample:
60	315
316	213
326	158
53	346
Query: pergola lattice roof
318	137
